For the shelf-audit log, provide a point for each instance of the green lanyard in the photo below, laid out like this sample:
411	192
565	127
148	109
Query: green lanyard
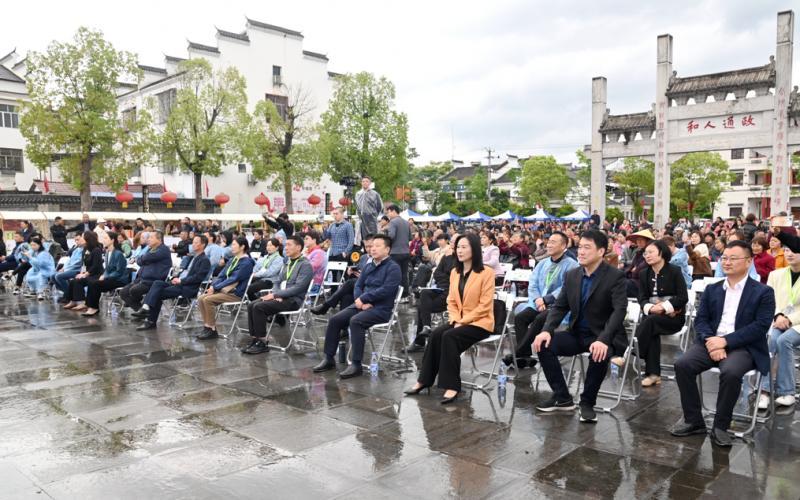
551	274
792	289
232	267
292	265
268	260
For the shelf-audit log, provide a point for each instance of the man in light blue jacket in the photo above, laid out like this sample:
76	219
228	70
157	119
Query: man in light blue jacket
543	289
71	268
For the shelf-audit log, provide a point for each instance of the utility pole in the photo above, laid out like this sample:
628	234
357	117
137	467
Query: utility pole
489	158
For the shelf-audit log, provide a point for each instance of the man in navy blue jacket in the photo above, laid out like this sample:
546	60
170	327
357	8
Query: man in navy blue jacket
375	292
732	324
186	285
154	265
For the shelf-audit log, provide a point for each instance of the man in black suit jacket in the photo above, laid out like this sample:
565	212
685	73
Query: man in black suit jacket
594	295
186	285
731	324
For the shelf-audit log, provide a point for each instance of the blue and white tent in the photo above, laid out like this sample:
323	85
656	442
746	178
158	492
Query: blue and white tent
448	216
539	216
409	214
578	215
507	215
477	217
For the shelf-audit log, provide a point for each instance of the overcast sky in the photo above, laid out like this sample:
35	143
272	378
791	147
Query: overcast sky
513	75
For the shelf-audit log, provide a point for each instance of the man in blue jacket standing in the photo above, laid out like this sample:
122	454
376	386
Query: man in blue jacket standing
186	285
731	324
375	292
154	264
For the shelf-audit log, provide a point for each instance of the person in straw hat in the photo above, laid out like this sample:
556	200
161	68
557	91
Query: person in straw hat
640	239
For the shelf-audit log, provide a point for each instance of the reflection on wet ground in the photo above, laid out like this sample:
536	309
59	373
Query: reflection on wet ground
91	408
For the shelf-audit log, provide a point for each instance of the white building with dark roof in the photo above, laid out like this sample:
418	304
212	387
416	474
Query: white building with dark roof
15	168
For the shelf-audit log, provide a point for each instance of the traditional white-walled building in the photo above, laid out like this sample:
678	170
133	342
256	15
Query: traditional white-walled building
15	168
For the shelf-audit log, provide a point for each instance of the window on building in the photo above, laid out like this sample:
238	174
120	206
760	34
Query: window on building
136	172
167	163
242	168
759	178
737	154
738	178
166	101
276	76
281	102
734	210
129	117
10	160
9	116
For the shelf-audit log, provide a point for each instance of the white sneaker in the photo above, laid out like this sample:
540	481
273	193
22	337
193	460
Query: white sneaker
40	296
763	402
787	400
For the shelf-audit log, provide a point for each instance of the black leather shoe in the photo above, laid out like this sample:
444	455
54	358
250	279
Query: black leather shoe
720	438
414	347
324	366
683	429
351	371
447	401
414	392
208	334
257	347
147	325
319	310
245	348
141	313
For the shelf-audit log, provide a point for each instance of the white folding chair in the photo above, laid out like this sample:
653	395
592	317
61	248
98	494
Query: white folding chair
751	417
388	329
496	340
229	307
296	315
518	276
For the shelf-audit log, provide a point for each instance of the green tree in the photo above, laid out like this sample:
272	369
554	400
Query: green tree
613	212
636	179
72	118
362	133
543	179
697	182
584	174
282	142
203	130
425	181
564	210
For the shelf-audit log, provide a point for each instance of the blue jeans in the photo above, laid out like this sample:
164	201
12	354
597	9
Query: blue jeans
61	279
782	345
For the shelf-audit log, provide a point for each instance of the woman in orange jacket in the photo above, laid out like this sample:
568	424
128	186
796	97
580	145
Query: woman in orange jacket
470	309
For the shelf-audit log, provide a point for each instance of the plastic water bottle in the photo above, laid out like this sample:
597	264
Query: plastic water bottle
502	377
373	365
329	277
342	351
614	371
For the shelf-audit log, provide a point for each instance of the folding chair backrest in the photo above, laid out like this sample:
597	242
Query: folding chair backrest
634	311
519	275
63	261
336	266
507	267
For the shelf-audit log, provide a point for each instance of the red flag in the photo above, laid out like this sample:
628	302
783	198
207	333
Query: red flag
46	185
208	192
126	186
164	184
269	205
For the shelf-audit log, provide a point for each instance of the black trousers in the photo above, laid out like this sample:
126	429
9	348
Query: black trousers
76	289
256	286
571	344
402	259
443	354
430	301
358	322
343	297
22	270
96	287
694	362
527	325
259	312
649	334
133	293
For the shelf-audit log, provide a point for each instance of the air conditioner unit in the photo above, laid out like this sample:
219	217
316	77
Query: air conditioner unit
251	180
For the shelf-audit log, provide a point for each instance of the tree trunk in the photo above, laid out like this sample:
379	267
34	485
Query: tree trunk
198	193
86	184
287	190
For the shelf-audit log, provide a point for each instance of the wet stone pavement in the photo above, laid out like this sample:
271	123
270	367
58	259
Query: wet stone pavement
91	408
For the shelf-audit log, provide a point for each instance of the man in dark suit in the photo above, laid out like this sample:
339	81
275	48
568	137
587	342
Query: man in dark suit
594	295
186	285
731	324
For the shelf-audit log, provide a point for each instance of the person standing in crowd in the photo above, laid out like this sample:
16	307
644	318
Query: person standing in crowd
470	308
154	265
369	207
400	235
343	296
517	253
267	269
663	297
341	237
83	226
230	286
763	260
374	293
59	233
749	228
295	278
114	276
544	287
92	269
185	285
42	267
282	224
595	297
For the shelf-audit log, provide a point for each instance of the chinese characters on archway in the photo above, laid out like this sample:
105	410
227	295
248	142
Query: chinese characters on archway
725	123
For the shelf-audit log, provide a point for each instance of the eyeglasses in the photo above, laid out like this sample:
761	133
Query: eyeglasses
732	259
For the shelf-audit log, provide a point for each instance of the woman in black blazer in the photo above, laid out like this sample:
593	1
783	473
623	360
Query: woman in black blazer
92	268
663	297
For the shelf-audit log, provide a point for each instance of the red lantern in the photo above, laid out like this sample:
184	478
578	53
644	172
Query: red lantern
314	200
221	199
344	201
261	200
169	198
124	197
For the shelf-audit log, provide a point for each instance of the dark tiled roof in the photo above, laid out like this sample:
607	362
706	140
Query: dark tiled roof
747	79
331	74
633	121
153	69
200	46
23	200
316	55
259	24
9	76
460	173
509	177
174	59
66	189
236	36
12	51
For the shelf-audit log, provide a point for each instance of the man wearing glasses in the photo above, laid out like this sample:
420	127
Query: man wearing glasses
732	324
